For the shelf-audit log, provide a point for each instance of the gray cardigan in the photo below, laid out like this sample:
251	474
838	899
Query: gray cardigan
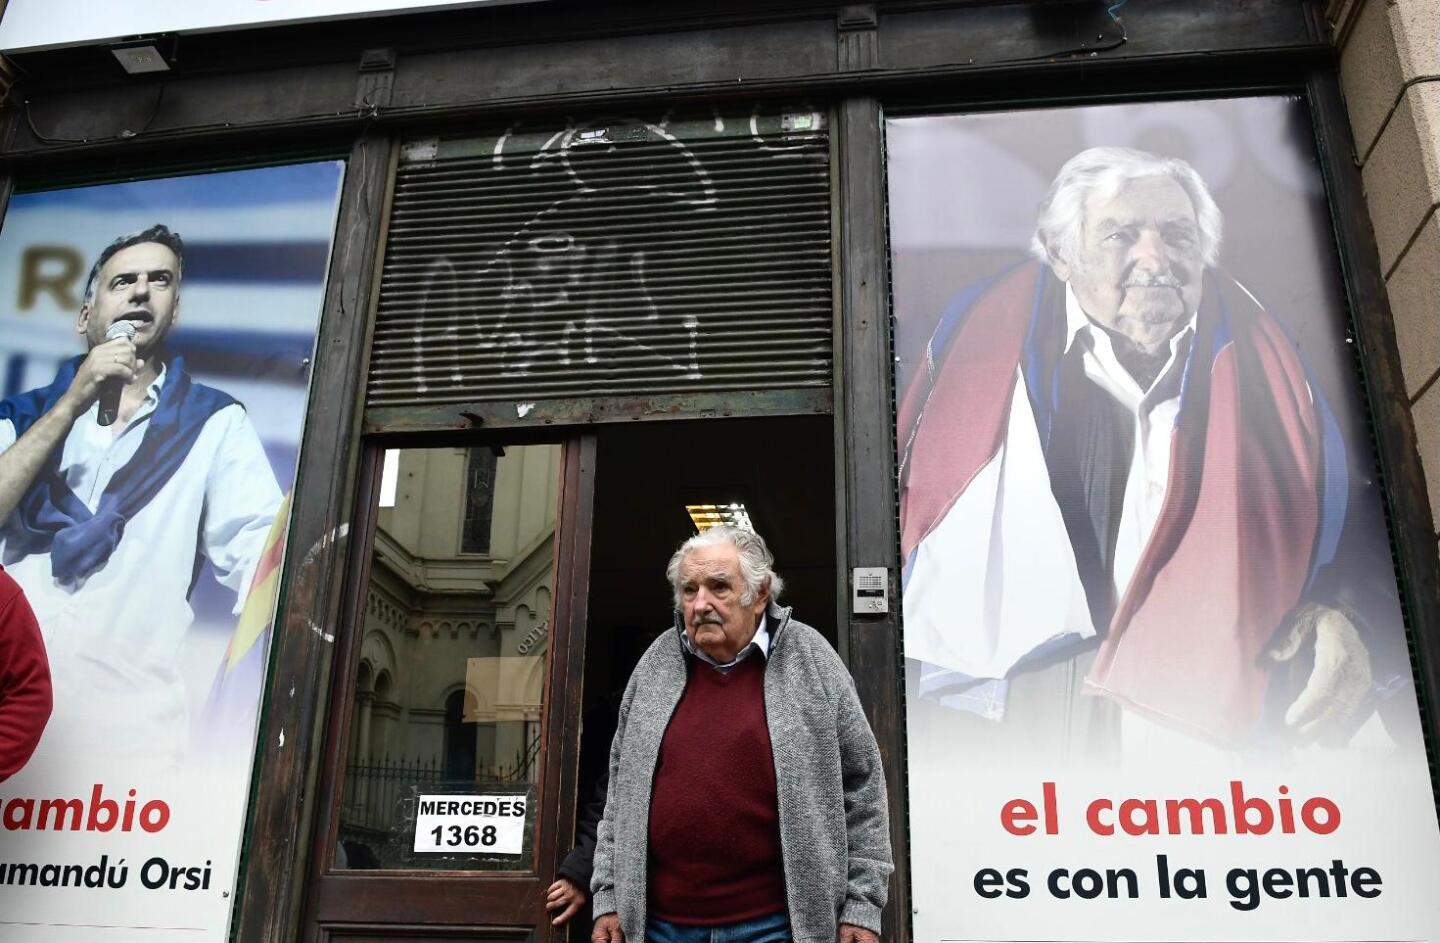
837	862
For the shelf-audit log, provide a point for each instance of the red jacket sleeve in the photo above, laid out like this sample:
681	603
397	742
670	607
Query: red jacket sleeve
25	698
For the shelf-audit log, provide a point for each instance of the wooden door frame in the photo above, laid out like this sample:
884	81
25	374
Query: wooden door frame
499	905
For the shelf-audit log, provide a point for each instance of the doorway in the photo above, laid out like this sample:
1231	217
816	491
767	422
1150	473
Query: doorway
779	470
481	636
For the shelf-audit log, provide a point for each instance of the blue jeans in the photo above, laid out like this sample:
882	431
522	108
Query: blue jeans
772	929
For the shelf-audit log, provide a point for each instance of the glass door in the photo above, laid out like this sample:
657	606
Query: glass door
450	767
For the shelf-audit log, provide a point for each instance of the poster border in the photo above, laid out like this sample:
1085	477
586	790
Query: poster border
1368	324
87	173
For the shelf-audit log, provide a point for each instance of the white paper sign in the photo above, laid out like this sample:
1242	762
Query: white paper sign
489	825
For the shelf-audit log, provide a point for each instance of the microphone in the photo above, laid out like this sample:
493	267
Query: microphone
111	389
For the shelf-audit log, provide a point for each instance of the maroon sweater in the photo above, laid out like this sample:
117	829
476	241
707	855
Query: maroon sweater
714	815
24	679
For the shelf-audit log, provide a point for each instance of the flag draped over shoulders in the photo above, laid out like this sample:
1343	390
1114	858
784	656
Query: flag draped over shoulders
1248	509
50	518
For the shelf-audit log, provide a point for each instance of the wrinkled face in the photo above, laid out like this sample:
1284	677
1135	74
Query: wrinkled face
710	589
1139	266
140	283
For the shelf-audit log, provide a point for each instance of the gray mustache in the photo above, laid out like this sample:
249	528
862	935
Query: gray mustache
1151	281
708	618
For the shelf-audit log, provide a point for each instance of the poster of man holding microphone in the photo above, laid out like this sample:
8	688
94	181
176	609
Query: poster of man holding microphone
125	465
142	509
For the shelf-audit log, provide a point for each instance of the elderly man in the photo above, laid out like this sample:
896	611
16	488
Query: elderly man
105	525
747	799
1118	481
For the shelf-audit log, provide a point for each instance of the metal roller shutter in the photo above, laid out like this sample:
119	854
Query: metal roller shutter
605	260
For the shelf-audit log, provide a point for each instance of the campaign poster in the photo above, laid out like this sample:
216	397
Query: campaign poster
156	344
1157	679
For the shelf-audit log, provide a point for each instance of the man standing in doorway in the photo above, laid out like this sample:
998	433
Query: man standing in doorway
747	796
106	525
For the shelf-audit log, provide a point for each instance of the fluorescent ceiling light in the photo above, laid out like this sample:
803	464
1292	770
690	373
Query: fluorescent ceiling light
706	516
141	58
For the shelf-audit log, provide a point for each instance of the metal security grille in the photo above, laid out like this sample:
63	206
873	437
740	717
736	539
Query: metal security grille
621	259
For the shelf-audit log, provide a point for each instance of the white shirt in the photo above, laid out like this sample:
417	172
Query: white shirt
996	578
114	641
1153	412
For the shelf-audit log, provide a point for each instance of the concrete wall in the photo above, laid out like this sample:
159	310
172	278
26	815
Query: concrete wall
1390	73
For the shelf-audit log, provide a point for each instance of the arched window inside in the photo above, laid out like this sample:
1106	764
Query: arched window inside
459	740
479	500
379	725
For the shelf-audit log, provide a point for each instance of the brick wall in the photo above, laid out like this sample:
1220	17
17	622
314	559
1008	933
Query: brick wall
1390	73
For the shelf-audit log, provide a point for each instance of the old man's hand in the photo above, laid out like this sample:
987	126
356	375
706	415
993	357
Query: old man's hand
607	930
849	933
1340	679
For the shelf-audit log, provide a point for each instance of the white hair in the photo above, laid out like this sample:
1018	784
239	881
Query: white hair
1105	170
757	565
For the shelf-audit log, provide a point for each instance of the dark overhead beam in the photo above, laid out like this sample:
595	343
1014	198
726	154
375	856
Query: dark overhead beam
796	52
